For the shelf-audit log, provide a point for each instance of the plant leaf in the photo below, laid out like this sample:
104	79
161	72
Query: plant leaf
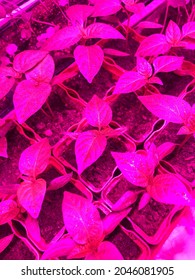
89	147
169	108
149	24
5	241
3	147
63	38
28	98
79	13
153	45
89	60
136	168
5	85
82	219
144	67
35	158
8	211
105	8
106	251
167	63
26	60
59	182
173	33
129	81
188	30
155	80
2	12
102	31
43	72
31	196
97	112
167	188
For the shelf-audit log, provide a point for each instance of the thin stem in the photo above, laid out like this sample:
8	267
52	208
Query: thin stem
43	22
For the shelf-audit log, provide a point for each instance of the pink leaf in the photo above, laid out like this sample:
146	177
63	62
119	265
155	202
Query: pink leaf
144	200
26	60
5	85
29	98
113	52
155	80
169	108
173	33
31	196
149	24
89	60
144	67
135	8
60	248
188	30
3	147
63	39
167	188
153	45
35	158
8	211
97	112
79	13
136	168
105	8
167	63
106	251
165	149
102	31
89	147
2	12
81	219
5	241
177	3
113	219
128	198
43	72
59	182
129	81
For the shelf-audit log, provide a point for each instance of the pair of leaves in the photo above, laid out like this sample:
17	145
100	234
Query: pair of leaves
91	144
33	161
157	44
131	81
33	92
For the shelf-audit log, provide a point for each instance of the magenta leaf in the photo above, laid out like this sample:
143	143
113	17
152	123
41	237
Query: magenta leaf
89	60
153	45
167	63
63	39
102	31
136	167
29	97
26	60
35	158
155	80
31	196
144	67
2	12
188	30
79	13
144	200
167	188
89	147
129	81
134	7
177	3
105	8
149	24
5	241
165	149
5	85
59	182
59	249
128	198
43	72
3	147
169	108
8	211
81	219
97	112
106	251
173	33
